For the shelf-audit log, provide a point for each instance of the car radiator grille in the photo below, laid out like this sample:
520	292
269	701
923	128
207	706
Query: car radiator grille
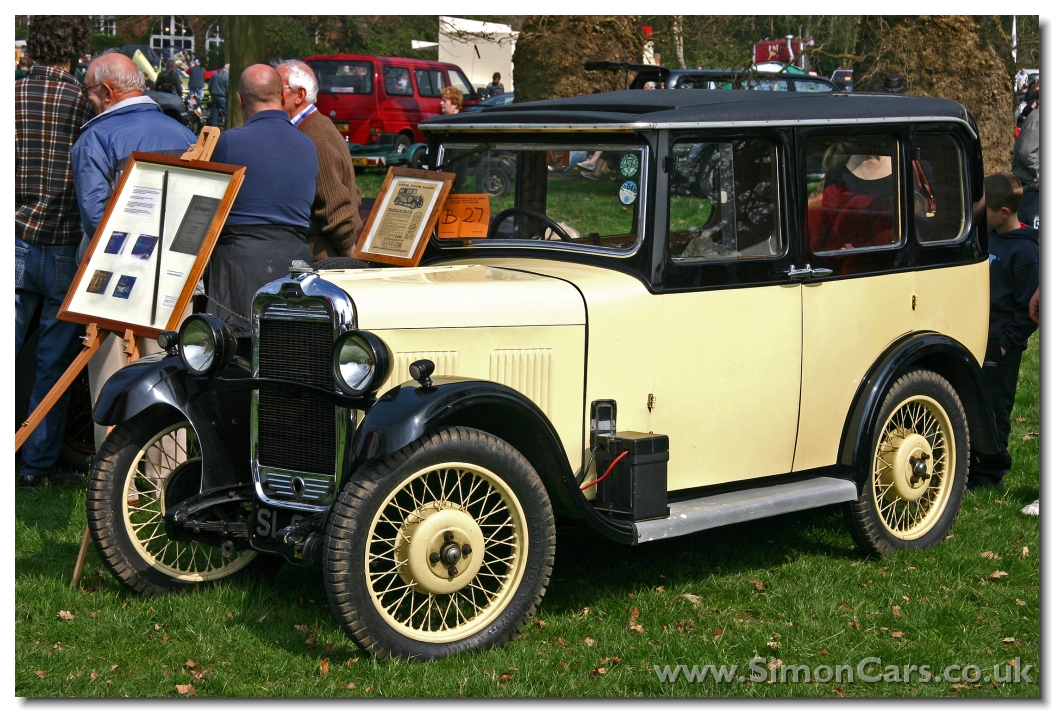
296	432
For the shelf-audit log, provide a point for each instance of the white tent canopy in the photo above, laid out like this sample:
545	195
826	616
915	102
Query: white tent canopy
479	48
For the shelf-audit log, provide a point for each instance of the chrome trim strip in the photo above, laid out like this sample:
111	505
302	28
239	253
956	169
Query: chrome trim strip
679	125
319	490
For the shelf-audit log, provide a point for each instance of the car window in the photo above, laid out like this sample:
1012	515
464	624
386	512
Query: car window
937	178
811	85
591	192
766	84
723	201
854	202
397	81
337	77
458	80
430	82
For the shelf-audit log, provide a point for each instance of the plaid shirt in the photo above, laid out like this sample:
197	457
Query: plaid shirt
49	113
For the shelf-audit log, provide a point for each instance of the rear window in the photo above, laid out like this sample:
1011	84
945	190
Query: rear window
343	77
430	82
811	85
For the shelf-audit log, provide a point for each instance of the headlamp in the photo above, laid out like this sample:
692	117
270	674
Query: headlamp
206	344
361	362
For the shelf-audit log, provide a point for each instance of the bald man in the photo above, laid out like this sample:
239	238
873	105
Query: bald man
268	224
127	121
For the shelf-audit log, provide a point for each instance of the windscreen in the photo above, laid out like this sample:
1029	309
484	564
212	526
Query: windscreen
555	195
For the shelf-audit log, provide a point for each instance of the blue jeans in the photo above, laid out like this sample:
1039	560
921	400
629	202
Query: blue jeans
43	274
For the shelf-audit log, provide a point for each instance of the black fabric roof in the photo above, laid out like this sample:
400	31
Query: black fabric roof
704	106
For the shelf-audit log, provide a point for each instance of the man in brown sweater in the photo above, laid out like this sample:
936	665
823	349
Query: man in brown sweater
335	221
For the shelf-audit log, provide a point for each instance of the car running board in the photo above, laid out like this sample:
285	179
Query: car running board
746	505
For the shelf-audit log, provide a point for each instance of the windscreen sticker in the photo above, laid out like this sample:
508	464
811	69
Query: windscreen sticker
629	165
628	192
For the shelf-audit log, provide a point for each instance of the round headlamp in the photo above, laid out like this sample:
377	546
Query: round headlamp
206	344
361	362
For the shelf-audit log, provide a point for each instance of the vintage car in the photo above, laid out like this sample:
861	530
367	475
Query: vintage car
706	333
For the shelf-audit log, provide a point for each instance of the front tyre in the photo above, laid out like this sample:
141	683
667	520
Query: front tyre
130	478
917	468
442	547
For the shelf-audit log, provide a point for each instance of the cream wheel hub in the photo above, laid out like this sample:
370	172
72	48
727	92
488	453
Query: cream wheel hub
439	550
910	465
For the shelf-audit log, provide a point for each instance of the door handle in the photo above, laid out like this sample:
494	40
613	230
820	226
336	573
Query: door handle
807	272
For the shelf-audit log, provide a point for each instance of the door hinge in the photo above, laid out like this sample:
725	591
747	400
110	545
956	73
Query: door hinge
668	163
651	401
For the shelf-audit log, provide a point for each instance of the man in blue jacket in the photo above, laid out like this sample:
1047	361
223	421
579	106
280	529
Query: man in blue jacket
267	227
127	121
1013	250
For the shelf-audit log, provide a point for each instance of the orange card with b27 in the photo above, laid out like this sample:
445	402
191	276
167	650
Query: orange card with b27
465	215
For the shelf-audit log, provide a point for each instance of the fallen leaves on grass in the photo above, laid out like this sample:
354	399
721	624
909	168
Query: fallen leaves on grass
597	671
165	639
190	664
560	640
1024	552
844	606
718	633
350	686
758	586
1020	602
228	616
772	644
66	615
1021	419
589	642
896	612
990	555
540	623
839	691
691	598
997	575
41	674
352	661
1030	436
897	634
185	689
685	625
634	614
323	667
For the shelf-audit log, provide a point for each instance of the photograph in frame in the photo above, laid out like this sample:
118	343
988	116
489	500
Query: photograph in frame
133	259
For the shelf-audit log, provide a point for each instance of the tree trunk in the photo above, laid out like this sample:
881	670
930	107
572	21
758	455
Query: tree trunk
678	39
245	47
552	49
952	56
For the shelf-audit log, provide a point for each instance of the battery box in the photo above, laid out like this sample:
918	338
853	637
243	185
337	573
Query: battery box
636	487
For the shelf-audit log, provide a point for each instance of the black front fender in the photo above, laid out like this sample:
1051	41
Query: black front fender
936	352
220	419
405	413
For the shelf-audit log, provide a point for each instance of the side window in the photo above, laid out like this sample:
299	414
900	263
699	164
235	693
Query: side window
724	201
811	85
458	80
937	179
430	82
853	192
397	81
762	84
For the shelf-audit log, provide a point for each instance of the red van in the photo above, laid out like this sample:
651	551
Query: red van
373	97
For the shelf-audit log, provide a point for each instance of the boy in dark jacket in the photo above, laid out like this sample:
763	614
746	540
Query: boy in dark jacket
1014	277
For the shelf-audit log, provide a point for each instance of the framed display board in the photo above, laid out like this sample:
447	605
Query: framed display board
404	216
152	244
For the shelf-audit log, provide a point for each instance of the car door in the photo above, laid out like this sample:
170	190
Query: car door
728	363
860	295
401	108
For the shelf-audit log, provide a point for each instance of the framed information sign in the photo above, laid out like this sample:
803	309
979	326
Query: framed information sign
152	244
404	216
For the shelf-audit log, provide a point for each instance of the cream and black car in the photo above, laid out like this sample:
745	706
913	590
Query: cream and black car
743	304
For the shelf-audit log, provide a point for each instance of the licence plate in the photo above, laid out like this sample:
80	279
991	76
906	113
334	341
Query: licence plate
358	161
342	126
267	522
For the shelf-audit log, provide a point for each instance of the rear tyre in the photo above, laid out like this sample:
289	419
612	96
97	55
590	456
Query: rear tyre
401	143
917	469
135	478
443	547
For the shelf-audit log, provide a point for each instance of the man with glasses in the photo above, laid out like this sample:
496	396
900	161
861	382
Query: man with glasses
127	121
49	112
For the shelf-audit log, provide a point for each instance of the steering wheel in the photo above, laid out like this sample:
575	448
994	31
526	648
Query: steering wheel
540	217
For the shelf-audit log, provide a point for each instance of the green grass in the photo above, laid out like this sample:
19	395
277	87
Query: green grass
820	603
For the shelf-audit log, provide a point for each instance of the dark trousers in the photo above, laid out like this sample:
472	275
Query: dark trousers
1000	375
218	106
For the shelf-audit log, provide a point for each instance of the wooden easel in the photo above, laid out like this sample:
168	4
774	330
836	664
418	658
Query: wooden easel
93	338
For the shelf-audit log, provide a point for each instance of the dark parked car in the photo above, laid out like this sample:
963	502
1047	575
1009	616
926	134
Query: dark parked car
499	100
650	76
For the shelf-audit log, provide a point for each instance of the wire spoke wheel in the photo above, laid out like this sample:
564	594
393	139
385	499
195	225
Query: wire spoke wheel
442	547
445	552
910	479
147	464
171	452
916	471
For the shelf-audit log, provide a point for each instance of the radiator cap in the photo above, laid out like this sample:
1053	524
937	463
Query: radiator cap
299	268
